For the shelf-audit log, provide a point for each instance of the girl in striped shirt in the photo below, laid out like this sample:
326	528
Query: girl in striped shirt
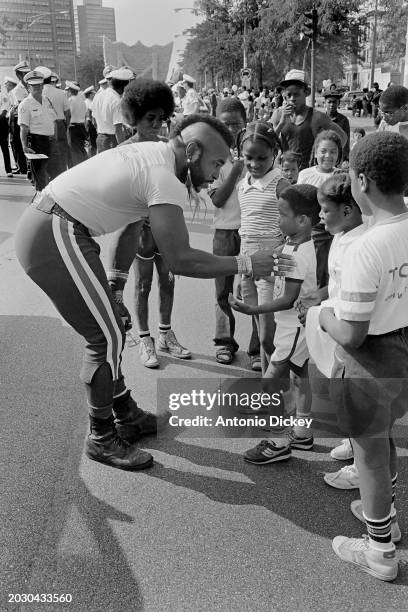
258	194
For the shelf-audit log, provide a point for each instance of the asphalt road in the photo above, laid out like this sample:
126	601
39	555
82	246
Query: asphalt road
201	530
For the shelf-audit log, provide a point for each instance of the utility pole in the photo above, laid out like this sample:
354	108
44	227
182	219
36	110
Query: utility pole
374	44
310	30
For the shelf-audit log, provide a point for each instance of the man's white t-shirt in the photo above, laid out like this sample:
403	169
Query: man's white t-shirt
313	176
374	282
304	255
116	187
107	112
338	248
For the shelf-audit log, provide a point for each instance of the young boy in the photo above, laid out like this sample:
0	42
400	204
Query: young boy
370	326
290	162
298	212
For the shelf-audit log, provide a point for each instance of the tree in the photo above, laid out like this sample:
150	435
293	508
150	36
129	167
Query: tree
90	65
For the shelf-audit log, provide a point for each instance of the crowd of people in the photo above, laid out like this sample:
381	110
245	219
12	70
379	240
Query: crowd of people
282	182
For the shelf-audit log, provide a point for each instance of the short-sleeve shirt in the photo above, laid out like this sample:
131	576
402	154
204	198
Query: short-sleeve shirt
190	101
116	187
227	216
40	118
313	176
78	109
258	202
107	112
374	282
17	94
304	255
58	100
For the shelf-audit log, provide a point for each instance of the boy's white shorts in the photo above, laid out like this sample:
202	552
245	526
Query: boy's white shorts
290	345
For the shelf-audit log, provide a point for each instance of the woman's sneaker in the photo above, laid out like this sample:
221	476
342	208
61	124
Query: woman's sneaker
147	352
168	342
346	478
356	507
380	564
267	452
343	452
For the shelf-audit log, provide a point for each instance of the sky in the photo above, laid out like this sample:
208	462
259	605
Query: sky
153	22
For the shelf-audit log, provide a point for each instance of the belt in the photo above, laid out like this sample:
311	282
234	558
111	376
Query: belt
77	124
104	134
60	212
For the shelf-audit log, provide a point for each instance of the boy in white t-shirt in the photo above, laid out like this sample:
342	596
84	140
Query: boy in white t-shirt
370	326
298	212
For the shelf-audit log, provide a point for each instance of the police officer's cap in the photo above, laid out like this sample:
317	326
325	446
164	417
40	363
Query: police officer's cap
8	79
22	67
46	72
72	85
188	79
107	70
89	89
122	74
34	78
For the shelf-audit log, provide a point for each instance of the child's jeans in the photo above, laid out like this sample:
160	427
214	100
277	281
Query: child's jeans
257	291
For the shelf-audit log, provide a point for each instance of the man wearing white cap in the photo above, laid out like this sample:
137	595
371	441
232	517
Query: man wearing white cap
297	124
191	101
107	112
89	94
77	135
9	84
58	161
16	96
36	119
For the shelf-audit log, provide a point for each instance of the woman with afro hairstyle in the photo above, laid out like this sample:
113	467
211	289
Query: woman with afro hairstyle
146	104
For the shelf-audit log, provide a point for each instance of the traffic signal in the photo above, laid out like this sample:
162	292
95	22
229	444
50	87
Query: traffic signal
310	27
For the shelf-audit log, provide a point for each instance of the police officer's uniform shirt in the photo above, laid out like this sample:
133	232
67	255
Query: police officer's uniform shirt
58	100
40	118
5	103
107	111
374	280
18	94
127	180
77	107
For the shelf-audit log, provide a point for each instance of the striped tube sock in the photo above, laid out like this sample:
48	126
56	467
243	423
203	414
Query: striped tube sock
100	412
379	533
144	334
163	329
394	486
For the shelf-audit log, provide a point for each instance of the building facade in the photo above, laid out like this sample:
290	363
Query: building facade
93	21
41	31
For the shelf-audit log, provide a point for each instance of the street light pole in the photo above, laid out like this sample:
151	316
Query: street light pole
30	21
374	44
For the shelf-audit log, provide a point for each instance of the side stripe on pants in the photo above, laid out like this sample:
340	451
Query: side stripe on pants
90	289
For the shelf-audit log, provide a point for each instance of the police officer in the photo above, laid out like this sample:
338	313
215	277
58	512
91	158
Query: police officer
107	112
89	94
17	95
9	84
36	119
77	134
58	161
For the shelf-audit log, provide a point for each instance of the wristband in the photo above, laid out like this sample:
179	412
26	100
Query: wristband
244	264
117	278
118	296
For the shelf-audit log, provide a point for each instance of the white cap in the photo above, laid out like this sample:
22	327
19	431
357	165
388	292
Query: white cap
294	76
188	79
122	74
71	85
108	69
22	67
34	77
89	89
46	72
8	79
54	76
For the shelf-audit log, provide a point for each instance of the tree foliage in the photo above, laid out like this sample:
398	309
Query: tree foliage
274	38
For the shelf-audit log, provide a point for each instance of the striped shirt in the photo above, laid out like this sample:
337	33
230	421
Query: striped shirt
374	279
259	205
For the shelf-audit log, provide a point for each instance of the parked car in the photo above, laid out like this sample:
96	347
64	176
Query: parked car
347	100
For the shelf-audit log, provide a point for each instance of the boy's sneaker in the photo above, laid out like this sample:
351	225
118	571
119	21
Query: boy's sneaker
380	564
343	452
147	352
356	507
346	478
300	443
267	452
169	342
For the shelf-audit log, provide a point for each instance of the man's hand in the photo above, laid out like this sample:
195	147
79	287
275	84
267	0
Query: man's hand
287	110
123	311
239	305
265	263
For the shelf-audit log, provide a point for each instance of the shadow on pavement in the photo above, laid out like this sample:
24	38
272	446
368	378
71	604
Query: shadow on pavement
55	535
